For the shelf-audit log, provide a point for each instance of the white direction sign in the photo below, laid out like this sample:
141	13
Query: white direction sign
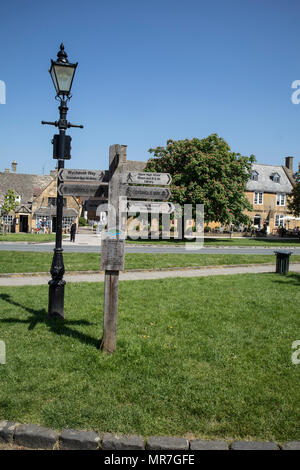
146	178
83	175
83	190
148	207
146	192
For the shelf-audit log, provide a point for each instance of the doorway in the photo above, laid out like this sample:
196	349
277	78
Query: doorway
257	221
23	223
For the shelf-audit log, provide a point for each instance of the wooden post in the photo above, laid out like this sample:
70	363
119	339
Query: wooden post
112	250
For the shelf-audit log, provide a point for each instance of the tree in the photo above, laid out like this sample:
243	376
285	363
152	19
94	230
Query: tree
293	202
10	202
206	172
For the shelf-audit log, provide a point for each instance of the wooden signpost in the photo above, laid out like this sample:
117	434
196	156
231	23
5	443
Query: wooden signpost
83	176
112	249
148	207
92	204
83	183
144	192
137	177
83	190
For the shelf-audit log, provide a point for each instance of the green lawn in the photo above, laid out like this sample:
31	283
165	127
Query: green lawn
22	262
28	237
39	238
206	357
226	242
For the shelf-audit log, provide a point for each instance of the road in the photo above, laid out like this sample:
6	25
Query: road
180	249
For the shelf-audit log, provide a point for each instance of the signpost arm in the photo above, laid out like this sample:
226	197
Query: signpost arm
111	278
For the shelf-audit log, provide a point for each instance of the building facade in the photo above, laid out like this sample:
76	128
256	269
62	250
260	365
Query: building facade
268	191
36	202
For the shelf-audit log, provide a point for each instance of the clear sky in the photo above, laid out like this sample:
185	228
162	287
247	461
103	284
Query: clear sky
150	71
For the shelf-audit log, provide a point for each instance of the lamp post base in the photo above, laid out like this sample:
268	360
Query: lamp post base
56	298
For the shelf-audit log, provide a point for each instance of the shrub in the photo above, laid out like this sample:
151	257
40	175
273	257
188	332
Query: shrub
82	222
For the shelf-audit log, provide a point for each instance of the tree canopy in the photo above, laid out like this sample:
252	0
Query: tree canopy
10	202
294	198
206	171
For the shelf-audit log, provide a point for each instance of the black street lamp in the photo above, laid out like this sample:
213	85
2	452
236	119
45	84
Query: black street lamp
62	74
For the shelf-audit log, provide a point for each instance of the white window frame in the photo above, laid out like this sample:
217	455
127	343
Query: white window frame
67	222
280	199
7	219
254	175
279	220
258	198
276	178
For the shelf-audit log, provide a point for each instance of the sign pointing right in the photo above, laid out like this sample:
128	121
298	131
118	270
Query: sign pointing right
146	192
137	177
148	207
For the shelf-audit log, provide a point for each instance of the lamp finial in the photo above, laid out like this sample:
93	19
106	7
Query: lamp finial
62	55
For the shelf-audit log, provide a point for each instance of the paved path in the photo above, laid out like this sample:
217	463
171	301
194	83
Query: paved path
90	242
34	280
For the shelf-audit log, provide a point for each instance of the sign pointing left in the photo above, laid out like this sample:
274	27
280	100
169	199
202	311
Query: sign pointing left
84	190
83	175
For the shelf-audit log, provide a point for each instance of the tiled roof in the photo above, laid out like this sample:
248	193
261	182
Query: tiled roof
265	183
51	211
24	185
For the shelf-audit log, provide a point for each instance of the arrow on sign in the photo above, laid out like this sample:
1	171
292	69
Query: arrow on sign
144	192
84	190
148	207
146	178
83	175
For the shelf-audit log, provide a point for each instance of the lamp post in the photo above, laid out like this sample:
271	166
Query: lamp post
62	74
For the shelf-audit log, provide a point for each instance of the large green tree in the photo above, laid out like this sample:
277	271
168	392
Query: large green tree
9	205
294	198
205	171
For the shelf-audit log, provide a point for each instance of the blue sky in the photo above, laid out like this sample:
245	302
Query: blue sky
150	71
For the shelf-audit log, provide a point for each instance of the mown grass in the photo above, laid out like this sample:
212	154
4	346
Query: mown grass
22	262
39	238
28	237
206	357
225	242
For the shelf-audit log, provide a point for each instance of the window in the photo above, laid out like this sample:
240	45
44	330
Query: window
52	201
275	178
254	175
258	198
7	219
280	199
279	220
67	222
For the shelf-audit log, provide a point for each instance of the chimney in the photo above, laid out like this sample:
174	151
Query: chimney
6	170
124	153
289	163
14	166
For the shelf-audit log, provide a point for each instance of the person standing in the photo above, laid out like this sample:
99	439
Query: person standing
73	232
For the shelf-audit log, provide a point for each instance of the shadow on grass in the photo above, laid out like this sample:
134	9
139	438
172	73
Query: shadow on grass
55	325
291	278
